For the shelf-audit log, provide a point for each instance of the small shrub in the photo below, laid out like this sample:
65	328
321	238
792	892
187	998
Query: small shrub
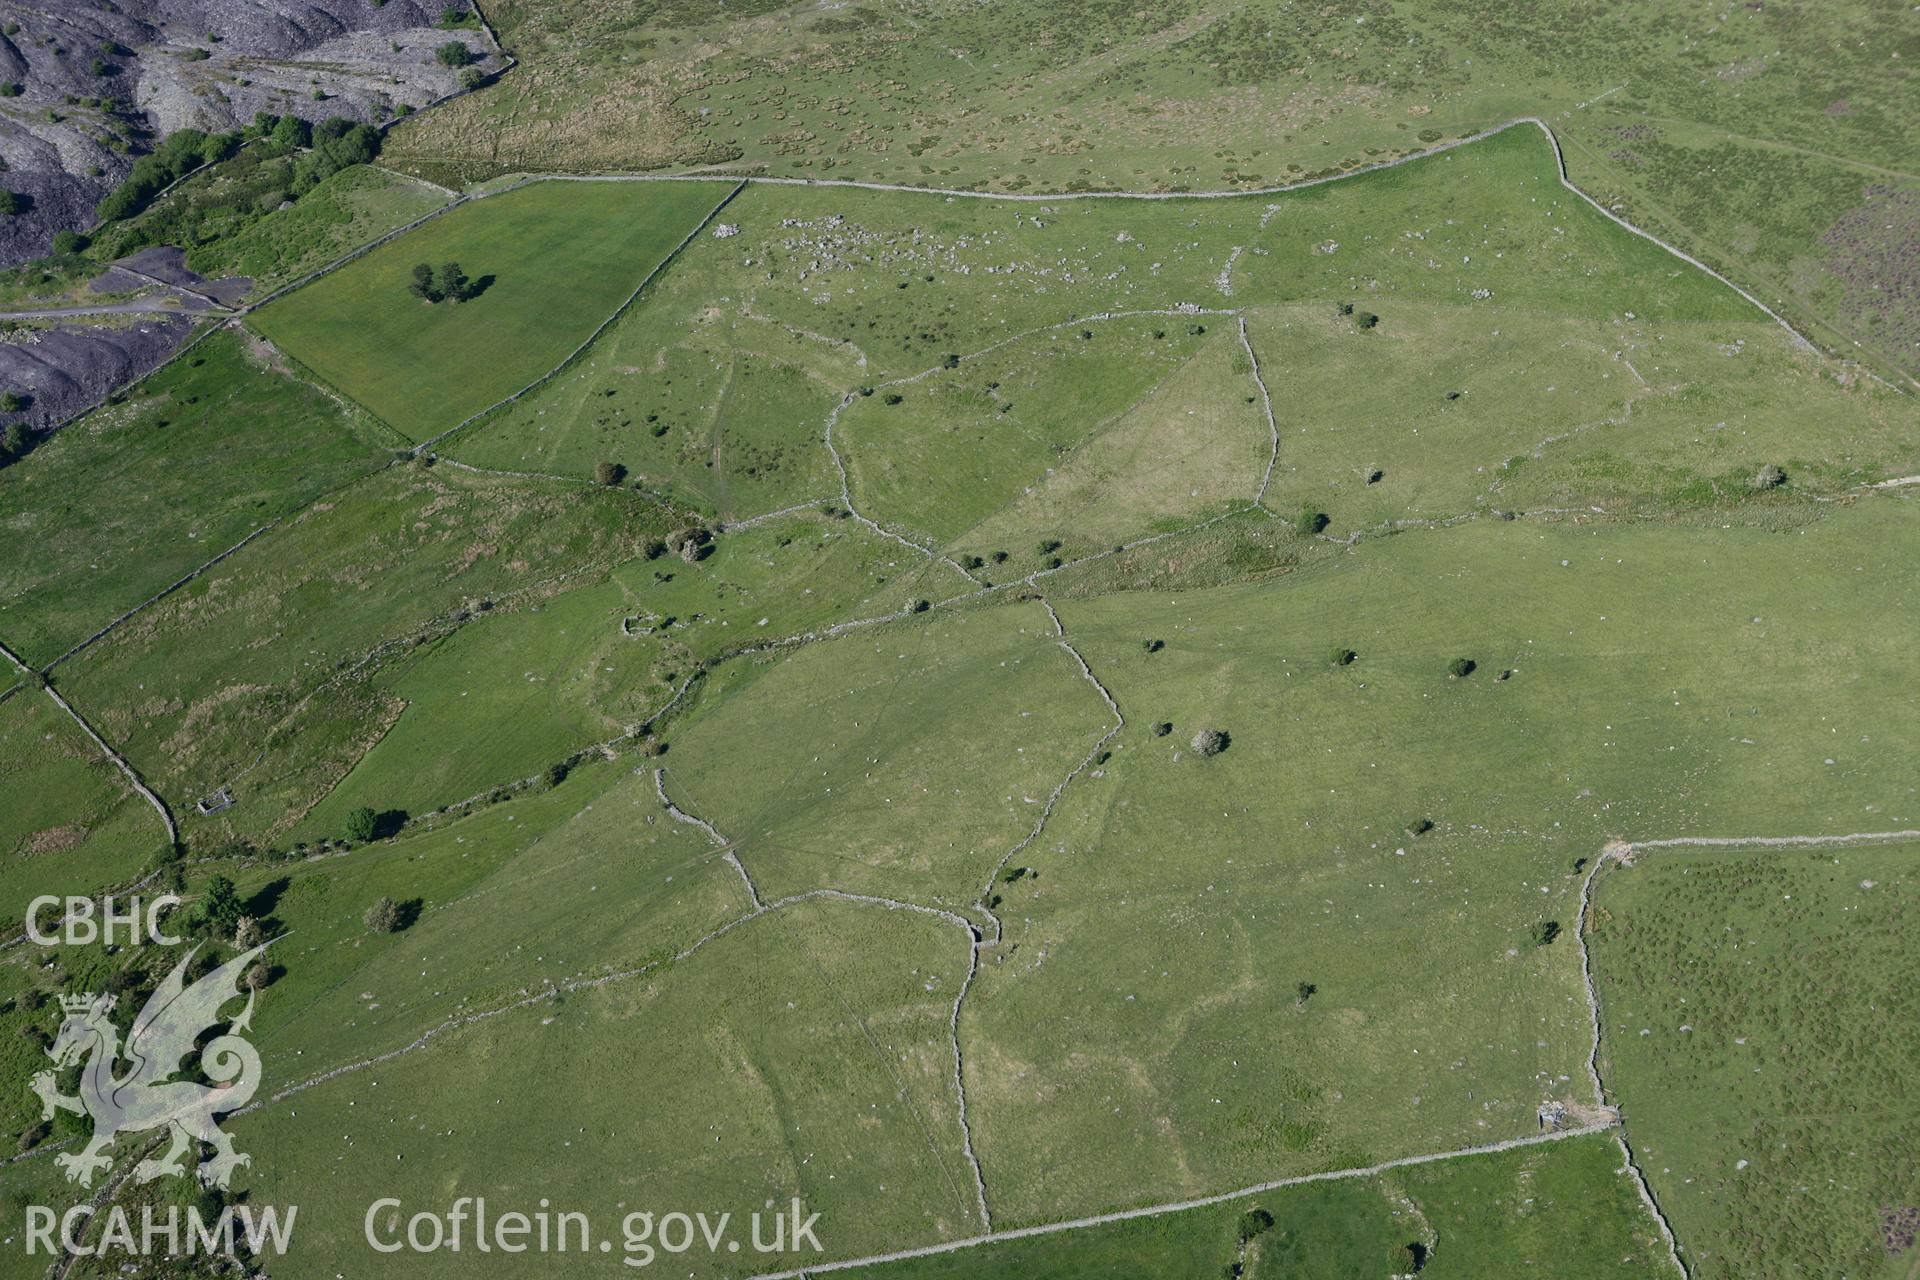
454	53
609	473
1460	668
1153	646
1310	522
1420	827
1162	729
1303	992
1340	657
893	397
12	202
1544	932
1254	1222
1368	320
1770	477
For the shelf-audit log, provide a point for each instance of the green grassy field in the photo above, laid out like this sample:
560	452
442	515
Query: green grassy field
556	260
1327	946
1287	860
259	674
772	1062
1760	1038
130	498
501	700
1560	1210
1766	142
1580	355
903	761
70	823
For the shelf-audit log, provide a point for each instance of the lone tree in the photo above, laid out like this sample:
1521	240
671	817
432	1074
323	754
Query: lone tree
1310	522
423	285
1303	992
361	824
609	473
1211	742
12	202
1460	668
453	283
383	916
454	53
1341	656
1544	932
221	909
1254	1222
15	440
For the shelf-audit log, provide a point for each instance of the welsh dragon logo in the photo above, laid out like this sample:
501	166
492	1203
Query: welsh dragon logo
147	1097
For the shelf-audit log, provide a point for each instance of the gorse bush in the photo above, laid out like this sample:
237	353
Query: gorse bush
383	917
1211	742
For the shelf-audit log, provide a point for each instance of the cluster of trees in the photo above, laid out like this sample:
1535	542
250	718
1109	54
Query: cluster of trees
325	149
172	160
447	284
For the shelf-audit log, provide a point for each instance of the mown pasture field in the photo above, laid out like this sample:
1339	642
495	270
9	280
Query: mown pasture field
551	261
